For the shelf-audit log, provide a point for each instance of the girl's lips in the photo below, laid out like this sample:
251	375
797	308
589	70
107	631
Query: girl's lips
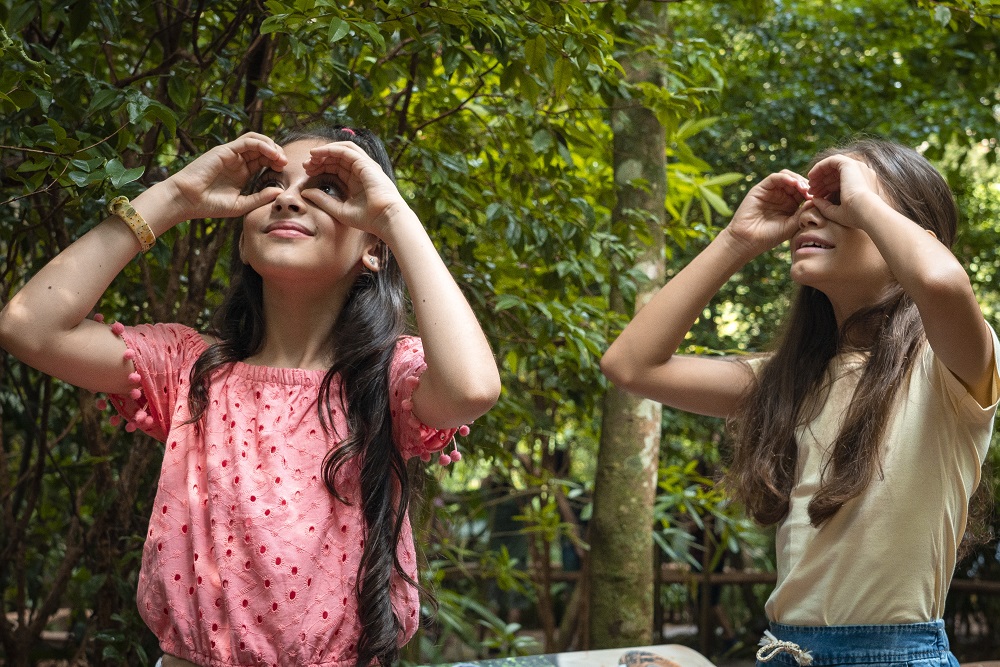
809	242
287	229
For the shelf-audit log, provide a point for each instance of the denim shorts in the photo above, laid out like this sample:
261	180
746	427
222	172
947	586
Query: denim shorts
911	645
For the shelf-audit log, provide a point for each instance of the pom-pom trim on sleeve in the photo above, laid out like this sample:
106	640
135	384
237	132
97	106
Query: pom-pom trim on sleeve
428	433
141	419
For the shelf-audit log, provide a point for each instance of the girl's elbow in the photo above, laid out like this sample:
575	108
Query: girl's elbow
484	395
616	368
16	331
470	407
476	397
946	283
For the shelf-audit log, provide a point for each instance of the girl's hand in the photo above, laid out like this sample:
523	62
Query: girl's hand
368	197
842	188
212	185
766	217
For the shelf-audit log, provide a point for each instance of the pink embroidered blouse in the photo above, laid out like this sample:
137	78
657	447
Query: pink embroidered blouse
249	559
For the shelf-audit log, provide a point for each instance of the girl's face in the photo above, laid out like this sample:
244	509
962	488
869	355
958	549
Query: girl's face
292	238
842	262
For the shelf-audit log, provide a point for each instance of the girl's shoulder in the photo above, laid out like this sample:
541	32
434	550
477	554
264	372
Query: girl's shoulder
171	337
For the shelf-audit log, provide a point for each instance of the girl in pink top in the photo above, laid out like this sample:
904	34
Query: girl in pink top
280	532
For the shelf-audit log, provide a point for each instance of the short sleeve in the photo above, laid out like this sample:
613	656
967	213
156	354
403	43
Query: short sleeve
961	400
163	355
413	437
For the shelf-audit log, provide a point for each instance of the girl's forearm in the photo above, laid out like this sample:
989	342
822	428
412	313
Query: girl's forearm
61	295
659	327
931	275
921	264
461	381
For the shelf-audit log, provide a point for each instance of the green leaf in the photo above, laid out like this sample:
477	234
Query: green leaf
57	129
21	98
80	178
541	141
274	23
127	176
137	105
119	175
337	30
179	90
44	101
723	180
33	165
689	128
104	98
562	77
507	301
534	54
164	115
114	168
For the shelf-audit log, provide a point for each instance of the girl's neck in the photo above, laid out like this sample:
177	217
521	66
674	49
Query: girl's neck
861	331
298	326
853	300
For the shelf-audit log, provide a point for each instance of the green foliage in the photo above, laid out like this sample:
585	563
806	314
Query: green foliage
495	115
806	75
959	13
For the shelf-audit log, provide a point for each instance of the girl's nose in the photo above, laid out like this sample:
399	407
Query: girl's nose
809	216
290	199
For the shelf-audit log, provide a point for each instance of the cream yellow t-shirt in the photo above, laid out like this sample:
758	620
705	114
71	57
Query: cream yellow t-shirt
888	555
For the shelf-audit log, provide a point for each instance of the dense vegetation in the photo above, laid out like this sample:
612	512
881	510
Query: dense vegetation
498	115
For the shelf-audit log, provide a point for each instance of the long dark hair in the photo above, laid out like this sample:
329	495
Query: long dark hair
791	384
363	342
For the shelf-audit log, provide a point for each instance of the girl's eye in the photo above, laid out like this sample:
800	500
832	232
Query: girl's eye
268	183
330	189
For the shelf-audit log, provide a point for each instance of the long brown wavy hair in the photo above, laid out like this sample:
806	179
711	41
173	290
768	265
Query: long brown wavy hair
792	383
363	342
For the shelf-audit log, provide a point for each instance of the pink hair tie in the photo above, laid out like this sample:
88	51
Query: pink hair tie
347	130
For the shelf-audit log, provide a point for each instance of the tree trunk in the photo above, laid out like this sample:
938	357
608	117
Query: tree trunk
621	594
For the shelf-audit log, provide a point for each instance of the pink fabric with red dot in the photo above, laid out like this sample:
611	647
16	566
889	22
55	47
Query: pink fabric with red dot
249	560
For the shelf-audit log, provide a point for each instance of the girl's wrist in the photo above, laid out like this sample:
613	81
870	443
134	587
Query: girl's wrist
869	207
738	250
161	206
398	222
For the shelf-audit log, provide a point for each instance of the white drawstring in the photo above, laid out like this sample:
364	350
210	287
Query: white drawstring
772	646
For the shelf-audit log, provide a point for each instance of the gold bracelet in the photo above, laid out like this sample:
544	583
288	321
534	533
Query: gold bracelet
122	207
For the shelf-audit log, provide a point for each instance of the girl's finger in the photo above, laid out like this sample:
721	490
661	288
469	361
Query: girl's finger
827	209
264	143
254	200
339	157
795	178
329	204
257	148
339	147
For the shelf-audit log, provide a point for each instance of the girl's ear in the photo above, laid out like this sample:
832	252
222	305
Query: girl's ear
240	248
370	257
